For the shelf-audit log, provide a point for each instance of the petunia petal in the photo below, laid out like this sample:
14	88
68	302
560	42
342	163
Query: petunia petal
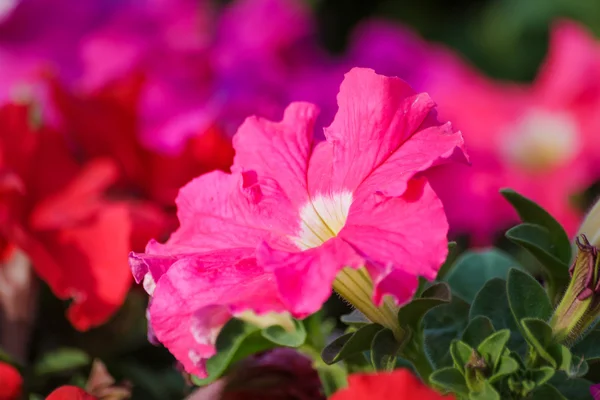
304	279
405	234
11	382
79	200
400	384
573	56
425	149
86	262
239	210
279	150
199	294
376	115
70	393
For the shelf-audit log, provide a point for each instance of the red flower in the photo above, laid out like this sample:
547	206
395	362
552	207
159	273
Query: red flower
106	123
10	382
399	384
70	393
54	209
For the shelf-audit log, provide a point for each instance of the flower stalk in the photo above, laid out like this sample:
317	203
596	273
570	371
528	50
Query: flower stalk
356	287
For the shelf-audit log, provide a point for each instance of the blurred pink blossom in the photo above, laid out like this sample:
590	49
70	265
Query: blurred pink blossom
540	139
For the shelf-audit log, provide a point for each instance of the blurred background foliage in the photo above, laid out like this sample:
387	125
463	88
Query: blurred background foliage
507	39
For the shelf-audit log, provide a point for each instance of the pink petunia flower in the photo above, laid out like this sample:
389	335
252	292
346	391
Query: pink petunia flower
538	139
297	217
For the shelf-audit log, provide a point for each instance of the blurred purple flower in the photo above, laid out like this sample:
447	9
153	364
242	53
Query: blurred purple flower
278	374
30	41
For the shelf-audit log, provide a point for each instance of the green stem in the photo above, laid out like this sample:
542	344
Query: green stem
358	363
414	352
333	377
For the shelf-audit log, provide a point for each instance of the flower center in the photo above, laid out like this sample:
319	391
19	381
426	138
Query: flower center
542	140
322	218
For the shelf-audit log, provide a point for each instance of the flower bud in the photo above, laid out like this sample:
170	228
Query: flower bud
580	304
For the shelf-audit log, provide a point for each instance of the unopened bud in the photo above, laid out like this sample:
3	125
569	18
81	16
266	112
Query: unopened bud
580	304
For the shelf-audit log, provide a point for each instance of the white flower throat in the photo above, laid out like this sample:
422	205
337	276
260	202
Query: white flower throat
542	140
322	218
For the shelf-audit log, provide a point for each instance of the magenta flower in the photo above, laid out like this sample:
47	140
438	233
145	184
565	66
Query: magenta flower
595	391
296	218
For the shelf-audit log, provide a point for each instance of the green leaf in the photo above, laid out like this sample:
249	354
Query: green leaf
539	335
282	337
461	353
61	360
478	329
537	240
547	392
588	347
492	302
442	325
562	355
355	318
350	343
410	315
357	363
449	379
532	213
236	340
571	388
493	347
450	261
527	386
487	393
541	375
147	379
515	356
526	297
473	269
507	366
384	350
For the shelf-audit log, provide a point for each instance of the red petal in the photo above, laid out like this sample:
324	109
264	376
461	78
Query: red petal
399	384
87	262
11	382
70	393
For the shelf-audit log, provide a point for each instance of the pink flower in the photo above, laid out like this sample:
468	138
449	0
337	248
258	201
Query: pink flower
279	231
540	140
